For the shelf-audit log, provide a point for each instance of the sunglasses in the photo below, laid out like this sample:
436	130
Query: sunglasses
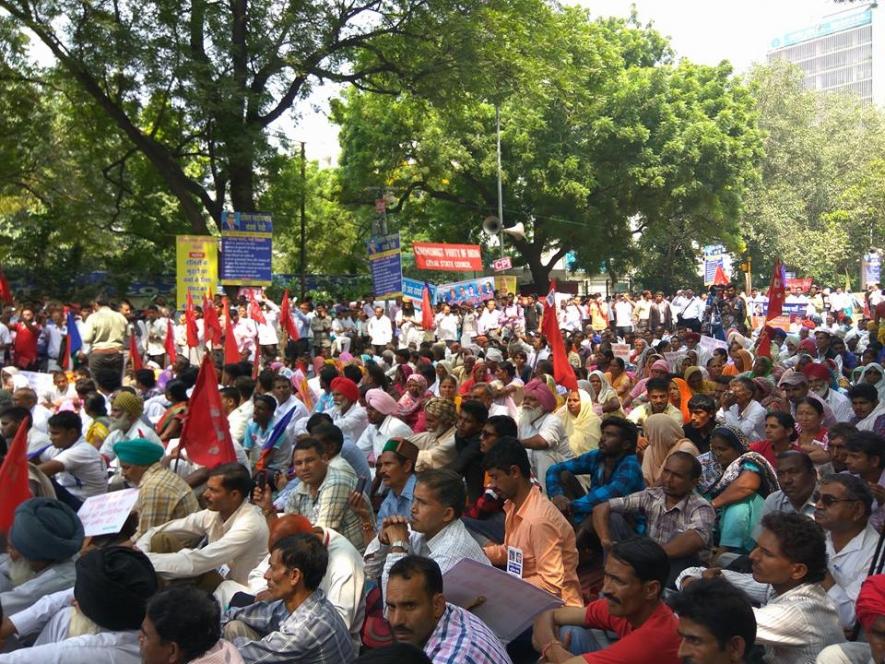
827	500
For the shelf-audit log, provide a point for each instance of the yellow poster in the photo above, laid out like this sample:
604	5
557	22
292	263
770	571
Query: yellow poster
196	267
505	284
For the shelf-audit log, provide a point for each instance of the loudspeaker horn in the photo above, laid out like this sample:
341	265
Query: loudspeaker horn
517	231
492	225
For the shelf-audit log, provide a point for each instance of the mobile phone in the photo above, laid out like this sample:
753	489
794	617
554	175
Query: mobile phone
361	484
261	479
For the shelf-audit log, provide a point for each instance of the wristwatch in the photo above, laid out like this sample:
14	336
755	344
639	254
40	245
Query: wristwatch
402	544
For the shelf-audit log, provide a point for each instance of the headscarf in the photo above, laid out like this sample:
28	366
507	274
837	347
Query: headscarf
706	386
477	375
606	393
769	397
746	360
665	436
766	370
410	407
381	401
880	386
443	410
45	529
871	601
541	392
739	441
684	397
584	430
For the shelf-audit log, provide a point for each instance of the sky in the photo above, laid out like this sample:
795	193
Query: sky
705	31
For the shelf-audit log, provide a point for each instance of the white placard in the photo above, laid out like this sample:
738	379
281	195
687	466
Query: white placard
622	351
709	344
106	514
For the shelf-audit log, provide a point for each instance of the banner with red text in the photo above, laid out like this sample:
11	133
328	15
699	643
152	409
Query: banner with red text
447	257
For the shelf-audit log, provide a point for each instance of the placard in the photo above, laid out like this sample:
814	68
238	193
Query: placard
501	264
447	257
505	284
246	248
106	514
386	266
622	351
196	267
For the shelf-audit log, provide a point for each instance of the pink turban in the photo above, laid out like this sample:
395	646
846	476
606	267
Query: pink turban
381	401
538	389
871	600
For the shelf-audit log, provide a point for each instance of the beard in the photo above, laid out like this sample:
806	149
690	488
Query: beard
531	414
820	391
19	572
120	424
80	625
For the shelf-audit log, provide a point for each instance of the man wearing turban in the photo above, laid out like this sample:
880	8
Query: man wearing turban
381	409
126	423
45	536
111	591
347	414
162	495
437	445
819	379
540	430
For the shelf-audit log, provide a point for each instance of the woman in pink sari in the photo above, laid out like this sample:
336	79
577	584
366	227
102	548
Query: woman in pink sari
411	403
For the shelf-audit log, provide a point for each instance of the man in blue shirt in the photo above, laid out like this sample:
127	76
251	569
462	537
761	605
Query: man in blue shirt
396	467
613	471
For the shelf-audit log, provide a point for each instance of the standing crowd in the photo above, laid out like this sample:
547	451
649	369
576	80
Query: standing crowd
680	491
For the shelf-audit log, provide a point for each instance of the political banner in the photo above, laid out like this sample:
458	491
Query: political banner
196	267
872	268
802	283
386	266
447	257
414	290
470	292
714	256
505	285
501	264
246	248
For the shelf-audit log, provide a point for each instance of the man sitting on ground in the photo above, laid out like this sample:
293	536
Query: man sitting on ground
75	466
797	478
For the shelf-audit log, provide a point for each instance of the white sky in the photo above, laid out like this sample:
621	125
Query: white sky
706	32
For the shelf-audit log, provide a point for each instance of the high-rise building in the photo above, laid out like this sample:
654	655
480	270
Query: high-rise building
845	51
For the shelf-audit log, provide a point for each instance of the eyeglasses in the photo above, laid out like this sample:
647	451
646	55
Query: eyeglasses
827	500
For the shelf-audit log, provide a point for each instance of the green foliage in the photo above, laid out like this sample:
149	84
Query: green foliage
819	203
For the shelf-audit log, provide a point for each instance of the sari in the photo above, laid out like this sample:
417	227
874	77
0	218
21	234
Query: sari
606	394
411	407
880	386
165	427
665	437
585	429
707	386
477	375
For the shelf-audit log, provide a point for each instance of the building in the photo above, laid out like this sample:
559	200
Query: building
844	51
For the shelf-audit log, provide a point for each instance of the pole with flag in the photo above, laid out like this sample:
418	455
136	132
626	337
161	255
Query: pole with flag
205	434
169	343
135	360
426	309
776	297
231	350
190	319
5	290
286	321
14	486
211	325
563	373
255	312
73	342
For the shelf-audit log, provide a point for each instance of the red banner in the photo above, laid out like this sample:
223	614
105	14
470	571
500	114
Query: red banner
447	257
803	284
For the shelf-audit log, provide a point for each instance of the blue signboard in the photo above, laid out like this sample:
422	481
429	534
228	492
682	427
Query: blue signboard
714	256
246	239
414	289
872	269
386	265
828	27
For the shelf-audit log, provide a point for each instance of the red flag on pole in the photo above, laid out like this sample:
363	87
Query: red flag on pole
211	325
190	321
426	309
5	290
169	343
776	296
563	373
231	350
256	363
286	319
719	279
205	434
14	487
255	312
134	356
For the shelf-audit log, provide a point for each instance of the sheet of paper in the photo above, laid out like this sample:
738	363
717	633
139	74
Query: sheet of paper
106	514
509	604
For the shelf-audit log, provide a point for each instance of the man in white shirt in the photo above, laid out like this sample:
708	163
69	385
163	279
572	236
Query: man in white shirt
96	622
489	322
447	325
76	466
819	381
126	423
235	531
380	330
739	409
347	414
383	424
623	314
27	398
434	531
541	431
691	313
157	328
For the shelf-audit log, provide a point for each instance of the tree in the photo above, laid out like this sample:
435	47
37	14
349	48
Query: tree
818	205
603	136
194	87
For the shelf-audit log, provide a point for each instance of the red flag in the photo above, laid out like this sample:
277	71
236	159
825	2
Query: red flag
134	356
231	351
211	326
190	318
14	487
286	319
255	312
563	373
205	434
776	297
256	364
169	343
426	309
5	290
719	279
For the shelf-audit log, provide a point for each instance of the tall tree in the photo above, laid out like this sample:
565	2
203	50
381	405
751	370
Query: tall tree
603	137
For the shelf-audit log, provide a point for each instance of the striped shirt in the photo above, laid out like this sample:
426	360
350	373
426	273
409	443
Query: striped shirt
162	496
462	638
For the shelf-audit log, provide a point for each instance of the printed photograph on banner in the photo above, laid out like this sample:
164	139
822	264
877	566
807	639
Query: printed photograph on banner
470	292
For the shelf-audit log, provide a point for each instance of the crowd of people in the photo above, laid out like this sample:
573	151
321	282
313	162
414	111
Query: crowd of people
684	492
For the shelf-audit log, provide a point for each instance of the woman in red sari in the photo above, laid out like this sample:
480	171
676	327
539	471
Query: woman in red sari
170	424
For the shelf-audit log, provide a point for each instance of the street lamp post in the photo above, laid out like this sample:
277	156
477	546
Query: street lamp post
303	233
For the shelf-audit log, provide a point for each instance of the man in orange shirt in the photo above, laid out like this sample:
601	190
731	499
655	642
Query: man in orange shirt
539	543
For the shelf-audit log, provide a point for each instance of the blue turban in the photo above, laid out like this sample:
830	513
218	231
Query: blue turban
138	452
46	529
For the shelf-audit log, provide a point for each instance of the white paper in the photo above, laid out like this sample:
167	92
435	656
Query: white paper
510	605
106	514
622	351
710	344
